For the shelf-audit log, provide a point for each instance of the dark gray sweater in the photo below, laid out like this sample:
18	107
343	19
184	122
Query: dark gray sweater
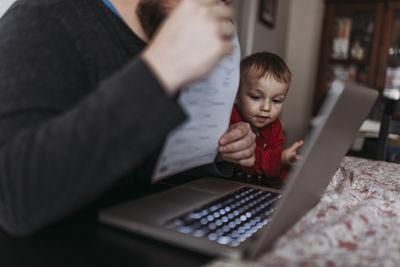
78	109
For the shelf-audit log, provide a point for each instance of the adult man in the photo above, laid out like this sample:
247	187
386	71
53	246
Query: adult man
81	105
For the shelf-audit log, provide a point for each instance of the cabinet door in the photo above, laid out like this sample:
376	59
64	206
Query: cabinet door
389	71
350	45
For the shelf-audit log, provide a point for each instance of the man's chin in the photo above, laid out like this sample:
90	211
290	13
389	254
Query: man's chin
151	14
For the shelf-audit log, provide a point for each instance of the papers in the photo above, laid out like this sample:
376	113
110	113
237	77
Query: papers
208	104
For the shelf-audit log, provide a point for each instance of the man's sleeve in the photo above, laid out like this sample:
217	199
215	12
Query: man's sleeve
216	169
54	160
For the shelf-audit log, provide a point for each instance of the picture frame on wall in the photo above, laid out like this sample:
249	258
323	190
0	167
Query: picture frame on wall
268	10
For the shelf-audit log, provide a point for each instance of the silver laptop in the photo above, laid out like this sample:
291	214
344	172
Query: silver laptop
228	218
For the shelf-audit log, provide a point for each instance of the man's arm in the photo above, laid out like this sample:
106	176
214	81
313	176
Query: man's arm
59	149
55	158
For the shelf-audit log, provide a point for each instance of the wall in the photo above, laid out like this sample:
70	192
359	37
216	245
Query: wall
256	36
4	5
302	52
273	39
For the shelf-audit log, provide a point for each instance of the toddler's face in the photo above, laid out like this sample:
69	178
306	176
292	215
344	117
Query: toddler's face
260	101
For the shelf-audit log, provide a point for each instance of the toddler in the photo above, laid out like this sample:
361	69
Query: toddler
264	83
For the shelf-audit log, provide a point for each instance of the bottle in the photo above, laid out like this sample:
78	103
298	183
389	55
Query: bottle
357	51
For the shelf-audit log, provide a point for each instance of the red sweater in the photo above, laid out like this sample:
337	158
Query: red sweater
268	150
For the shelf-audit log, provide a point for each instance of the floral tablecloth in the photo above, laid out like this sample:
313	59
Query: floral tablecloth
356	223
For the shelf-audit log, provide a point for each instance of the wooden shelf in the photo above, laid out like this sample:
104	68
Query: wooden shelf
394	62
348	61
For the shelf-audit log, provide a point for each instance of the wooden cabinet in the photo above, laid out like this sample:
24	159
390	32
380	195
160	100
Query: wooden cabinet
388	73
360	42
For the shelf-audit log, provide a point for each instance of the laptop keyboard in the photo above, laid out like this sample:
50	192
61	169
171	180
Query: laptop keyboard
231	219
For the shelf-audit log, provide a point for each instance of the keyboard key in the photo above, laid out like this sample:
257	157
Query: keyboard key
212	226
201	232
219	232
185	230
224	240
195	215
212	236
234	244
226	228
218	222
174	223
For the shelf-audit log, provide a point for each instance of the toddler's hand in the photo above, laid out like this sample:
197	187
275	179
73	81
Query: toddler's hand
289	155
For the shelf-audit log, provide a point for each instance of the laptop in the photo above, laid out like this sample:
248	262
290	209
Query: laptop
222	217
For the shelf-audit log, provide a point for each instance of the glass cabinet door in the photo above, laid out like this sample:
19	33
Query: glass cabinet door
389	71
392	81
350	44
351	47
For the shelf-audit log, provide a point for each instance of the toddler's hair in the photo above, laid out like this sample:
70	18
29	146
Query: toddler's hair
264	65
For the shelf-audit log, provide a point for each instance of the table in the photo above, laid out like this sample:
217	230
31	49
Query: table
357	222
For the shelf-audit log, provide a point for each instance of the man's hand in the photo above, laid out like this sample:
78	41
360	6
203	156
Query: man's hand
237	145
289	155
191	41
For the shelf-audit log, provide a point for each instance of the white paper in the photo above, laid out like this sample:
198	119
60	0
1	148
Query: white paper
4	5
208	104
